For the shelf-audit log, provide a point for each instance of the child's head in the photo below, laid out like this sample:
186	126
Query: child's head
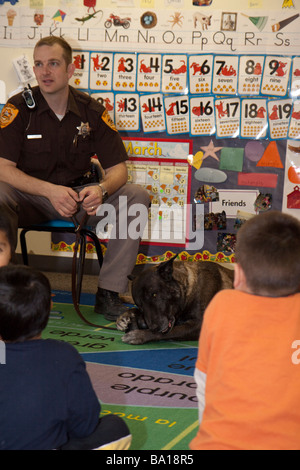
268	253
7	237
5	249
25	302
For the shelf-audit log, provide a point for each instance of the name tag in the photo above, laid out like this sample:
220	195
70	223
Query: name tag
34	136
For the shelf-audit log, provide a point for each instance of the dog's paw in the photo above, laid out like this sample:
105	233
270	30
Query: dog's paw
136	337
125	320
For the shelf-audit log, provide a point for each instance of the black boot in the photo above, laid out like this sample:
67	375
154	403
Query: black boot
109	304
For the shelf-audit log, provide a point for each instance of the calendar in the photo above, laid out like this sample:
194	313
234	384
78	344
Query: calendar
167	180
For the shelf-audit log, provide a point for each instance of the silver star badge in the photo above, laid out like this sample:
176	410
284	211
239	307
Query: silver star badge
84	129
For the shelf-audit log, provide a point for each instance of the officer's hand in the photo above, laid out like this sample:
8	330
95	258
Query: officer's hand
64	200
90	198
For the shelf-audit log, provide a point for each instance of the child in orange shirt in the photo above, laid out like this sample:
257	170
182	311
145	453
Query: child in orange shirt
248	381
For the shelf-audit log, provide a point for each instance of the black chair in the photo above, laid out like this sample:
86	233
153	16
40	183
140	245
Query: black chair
65	227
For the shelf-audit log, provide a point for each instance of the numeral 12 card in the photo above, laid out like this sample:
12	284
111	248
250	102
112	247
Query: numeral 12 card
107	99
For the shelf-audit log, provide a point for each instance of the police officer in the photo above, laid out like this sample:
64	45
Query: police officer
47	139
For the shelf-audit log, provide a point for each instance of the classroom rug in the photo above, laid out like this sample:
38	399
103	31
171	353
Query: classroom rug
151	386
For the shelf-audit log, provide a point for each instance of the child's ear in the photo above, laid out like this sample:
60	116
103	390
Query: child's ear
240	282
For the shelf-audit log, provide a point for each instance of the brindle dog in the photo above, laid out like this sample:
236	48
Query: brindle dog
171	299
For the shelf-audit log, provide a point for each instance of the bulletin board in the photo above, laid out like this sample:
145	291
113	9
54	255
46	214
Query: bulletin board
239	114
209	94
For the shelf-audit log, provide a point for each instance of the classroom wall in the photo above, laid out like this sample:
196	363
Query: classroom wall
175	31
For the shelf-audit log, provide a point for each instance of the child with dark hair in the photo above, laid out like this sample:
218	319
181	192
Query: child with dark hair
248	385
46	397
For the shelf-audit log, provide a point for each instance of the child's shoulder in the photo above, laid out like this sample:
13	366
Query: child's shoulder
228	298
227	294
60	348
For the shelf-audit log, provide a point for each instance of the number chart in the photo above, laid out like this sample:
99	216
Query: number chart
226	96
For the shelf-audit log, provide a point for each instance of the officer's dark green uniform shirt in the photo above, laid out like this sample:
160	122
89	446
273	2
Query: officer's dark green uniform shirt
56	151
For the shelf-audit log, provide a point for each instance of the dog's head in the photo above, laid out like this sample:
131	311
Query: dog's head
157	296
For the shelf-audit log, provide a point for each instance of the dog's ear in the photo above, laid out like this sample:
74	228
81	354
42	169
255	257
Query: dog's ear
165	270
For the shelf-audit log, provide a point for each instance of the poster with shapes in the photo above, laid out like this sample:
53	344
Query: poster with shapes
270	157
295	79
231	201
291	187
107	99
177	114
200	74
227	117
279	113
149	73
263	180
232	159
294	127
276	76
250	74
152	113
124	72
254	120
174	73
101	71
127	112
80	78
225	75
202	116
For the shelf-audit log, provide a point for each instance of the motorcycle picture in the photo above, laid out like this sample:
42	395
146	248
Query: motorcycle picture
117	21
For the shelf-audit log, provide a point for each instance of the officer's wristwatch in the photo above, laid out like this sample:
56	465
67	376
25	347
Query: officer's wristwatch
104	193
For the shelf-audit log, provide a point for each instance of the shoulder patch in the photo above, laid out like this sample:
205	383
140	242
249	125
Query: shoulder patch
108	121
8	115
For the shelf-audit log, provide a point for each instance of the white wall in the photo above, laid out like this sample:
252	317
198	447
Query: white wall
7	71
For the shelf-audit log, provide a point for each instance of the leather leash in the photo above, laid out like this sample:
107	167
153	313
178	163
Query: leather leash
74	275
